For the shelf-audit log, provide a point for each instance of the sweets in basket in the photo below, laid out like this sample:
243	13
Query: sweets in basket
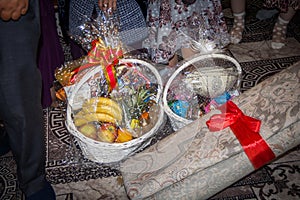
200	84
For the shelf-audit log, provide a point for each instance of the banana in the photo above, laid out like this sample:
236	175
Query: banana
101	109
101	117
105	109
95	117
102	101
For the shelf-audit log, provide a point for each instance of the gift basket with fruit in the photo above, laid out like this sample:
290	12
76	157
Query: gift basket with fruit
200	84
111	123
113	101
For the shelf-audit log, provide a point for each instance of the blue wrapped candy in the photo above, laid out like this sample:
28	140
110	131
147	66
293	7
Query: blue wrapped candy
223	98
180	108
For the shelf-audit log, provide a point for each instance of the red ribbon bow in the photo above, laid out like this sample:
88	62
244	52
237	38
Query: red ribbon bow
107	56
246	129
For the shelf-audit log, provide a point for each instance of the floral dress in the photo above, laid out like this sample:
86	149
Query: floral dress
176	24
283	5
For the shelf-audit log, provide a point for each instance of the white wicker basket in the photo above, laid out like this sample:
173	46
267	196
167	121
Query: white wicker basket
102	152
177	121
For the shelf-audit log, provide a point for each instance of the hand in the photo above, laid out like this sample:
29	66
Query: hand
13	9
107	5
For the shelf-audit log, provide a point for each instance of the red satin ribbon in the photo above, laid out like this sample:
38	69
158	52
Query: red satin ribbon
110	74
246	129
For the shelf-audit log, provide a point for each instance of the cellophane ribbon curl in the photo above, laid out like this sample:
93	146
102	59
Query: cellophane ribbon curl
100	38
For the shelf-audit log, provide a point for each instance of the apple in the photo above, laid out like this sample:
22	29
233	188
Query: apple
107	132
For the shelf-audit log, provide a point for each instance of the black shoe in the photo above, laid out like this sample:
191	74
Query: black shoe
46	193
4	142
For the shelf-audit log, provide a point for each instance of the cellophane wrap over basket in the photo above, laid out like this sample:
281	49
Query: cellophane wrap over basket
199	85
114	104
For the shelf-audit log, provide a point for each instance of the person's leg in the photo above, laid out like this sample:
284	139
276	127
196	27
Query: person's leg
20	100
238	10
280	28
4	142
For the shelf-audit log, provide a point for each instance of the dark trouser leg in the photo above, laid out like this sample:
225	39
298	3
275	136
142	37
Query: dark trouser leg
4	147
20	97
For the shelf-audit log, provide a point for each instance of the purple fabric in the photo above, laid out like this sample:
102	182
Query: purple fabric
51	54
76	50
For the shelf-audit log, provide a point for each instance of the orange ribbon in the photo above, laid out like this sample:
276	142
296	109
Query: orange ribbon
246	129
